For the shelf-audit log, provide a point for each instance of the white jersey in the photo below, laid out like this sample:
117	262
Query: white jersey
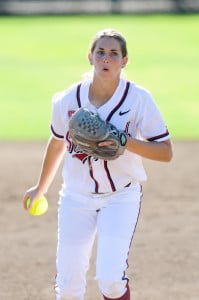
131	109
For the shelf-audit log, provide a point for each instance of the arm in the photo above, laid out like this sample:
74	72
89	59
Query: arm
52	158
160	151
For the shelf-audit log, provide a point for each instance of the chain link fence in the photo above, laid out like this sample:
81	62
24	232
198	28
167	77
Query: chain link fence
35	7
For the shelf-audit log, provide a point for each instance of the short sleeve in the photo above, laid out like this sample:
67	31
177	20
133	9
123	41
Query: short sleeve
152	126
57	121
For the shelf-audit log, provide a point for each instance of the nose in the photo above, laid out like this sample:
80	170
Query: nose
106	58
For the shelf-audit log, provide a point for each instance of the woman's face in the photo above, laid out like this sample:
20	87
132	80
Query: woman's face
107	58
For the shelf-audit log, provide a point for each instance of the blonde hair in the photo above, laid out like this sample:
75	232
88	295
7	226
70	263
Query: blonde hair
112	33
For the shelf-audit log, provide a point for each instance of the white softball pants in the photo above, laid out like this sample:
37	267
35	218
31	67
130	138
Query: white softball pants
113	217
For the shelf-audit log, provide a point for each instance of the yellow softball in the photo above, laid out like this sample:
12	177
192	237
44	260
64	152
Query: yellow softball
39	207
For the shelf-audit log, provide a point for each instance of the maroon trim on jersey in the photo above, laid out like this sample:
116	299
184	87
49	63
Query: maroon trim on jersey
78	95
158	136
120	103
89	157
109	176
56	134
91	174
107	119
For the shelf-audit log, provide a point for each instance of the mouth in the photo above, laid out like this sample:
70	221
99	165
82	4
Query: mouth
105	69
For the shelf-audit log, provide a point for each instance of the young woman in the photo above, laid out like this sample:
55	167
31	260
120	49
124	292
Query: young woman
101	198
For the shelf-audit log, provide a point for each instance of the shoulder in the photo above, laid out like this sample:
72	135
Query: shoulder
70	95
65	95
139	90
140	96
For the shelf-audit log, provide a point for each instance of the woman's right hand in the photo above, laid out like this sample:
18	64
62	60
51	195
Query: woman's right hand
33	193
53	155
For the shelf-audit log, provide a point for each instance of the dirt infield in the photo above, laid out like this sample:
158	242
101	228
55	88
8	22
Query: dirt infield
164	258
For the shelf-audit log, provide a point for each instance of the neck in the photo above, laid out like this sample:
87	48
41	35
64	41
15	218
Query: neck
100	93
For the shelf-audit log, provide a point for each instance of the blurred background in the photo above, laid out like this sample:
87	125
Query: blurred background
29	7
44	48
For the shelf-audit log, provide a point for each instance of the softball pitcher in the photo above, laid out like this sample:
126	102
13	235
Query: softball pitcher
101	198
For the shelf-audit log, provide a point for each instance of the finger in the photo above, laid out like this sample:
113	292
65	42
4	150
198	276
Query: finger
105	143
26	197
24	202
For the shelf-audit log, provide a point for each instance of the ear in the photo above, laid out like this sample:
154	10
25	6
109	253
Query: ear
125	61
90	58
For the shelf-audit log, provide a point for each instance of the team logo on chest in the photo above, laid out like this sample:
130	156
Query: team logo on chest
81	156
70	113
73	150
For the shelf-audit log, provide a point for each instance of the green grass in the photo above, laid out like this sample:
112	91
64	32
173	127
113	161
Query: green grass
42	55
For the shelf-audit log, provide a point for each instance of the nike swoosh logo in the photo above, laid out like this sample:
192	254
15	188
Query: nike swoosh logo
121	113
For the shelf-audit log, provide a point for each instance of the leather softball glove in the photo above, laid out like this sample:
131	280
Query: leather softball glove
87	130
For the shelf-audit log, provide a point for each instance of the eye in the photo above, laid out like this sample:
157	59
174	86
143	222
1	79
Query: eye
114	53
100	52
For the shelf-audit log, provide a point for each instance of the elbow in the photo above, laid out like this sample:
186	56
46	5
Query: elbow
169	154
169	157
168	151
